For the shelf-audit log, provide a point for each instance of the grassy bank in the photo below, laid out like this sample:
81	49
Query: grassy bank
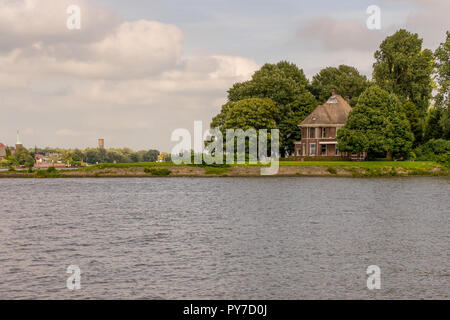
287	168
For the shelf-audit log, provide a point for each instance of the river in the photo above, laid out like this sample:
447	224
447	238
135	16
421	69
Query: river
225	238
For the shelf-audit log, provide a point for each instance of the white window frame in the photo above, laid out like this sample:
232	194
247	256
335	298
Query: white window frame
310	149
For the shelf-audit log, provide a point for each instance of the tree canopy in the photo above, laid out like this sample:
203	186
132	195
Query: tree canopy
377	125
256	113
404	68
442	98
285	85
345	79
24	157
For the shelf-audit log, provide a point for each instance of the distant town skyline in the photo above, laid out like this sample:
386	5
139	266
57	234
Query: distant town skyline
137	70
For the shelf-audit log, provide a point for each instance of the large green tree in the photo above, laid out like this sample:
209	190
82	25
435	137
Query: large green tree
442	98
415	120
345	79
256	113
404	68
286	85
24	157
377	125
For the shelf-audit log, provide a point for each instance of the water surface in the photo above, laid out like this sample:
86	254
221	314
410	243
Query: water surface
225	238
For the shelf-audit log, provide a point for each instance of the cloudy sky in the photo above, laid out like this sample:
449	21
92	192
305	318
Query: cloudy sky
138	69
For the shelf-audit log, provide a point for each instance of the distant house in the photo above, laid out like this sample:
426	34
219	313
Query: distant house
319	130
2	151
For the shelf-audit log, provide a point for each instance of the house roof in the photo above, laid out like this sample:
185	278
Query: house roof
333	112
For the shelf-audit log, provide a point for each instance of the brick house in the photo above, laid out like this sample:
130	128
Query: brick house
319	131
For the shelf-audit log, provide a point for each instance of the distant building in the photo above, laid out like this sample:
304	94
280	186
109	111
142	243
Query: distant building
319	130
101	143
2	151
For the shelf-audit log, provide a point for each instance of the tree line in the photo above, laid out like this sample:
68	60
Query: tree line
76	157
403	111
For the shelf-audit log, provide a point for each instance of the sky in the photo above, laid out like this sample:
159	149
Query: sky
137	70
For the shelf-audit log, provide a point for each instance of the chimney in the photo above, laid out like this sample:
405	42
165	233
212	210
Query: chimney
333	92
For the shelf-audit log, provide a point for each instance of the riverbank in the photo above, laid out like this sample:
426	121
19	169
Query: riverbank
286	169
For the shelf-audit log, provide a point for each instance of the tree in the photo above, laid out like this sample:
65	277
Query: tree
415	121
286	86
404	68
24	157
151	156
345	79
376	125
442	98
433	128
256	113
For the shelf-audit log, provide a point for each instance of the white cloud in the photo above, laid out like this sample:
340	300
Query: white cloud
128	81
27	22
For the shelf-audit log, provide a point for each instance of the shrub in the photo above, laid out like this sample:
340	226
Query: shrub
433	149
373	172
157	171
412	156
444	159
332	170
215	170
393	172
51	172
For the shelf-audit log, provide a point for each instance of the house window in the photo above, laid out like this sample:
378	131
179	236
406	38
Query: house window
312	149
312	132
337	151
324	150
324	132
304	149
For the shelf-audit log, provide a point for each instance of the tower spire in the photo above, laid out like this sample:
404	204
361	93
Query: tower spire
18	138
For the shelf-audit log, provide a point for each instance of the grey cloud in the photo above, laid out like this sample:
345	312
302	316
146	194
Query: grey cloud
337	34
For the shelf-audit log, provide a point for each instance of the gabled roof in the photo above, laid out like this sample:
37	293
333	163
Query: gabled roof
333	112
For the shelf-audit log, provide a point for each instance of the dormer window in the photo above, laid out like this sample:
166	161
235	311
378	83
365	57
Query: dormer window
332	100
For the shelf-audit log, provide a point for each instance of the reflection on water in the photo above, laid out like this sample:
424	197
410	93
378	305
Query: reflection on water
229	238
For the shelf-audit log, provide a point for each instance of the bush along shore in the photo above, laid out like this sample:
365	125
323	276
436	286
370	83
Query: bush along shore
286	169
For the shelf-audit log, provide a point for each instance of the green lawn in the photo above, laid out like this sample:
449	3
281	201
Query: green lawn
128	165
362	164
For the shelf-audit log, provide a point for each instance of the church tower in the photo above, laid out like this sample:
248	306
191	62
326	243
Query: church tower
18	143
